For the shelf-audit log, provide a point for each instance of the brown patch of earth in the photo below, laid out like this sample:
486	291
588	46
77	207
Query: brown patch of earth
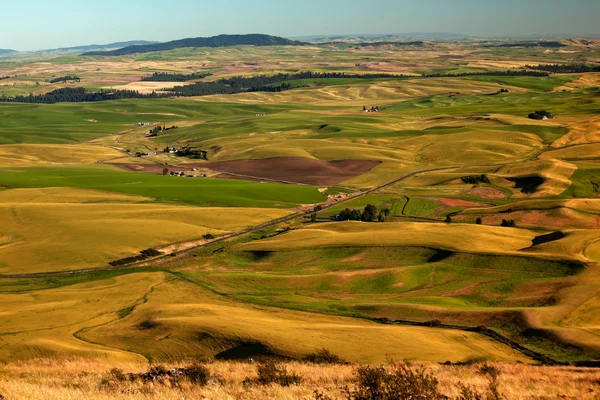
560	220
487	193
457	202
281	169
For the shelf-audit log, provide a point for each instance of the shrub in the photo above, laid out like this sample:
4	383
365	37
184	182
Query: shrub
398	381
323	356
208	236
270	372
493	391
478	221
197	374
508	223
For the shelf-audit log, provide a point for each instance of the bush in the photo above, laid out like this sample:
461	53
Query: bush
493	391
197	374
478	221
194	374
323	356
208	236
398	381
508	223
270	372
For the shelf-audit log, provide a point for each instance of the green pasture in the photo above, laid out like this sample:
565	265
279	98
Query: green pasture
195	191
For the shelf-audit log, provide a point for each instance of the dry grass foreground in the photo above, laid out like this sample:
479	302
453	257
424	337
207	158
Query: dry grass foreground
79	379
143	316
58	229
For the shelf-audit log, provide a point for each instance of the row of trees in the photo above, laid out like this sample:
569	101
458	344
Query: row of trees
265	83
65	79
512	72
539	115
475	179
565	68
166	77
77	95
369	214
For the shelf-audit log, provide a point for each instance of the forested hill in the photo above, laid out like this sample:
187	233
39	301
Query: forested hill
214	41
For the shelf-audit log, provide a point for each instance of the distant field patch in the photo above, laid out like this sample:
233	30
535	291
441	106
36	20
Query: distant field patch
287	169
24	155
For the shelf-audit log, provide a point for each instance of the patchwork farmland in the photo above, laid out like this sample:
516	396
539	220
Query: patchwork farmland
410	207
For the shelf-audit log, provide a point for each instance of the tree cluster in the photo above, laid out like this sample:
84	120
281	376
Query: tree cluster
475	179
539	115
144	254
166	77
541	43
369	214
510	223
190	152
564	68
4	77
65	79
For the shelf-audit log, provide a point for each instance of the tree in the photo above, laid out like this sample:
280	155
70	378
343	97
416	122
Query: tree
369	214
165	171
478	221
508	223
448	219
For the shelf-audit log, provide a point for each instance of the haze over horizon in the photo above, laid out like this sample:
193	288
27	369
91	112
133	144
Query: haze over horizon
115	21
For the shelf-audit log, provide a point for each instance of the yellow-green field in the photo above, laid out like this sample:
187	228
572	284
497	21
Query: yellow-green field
153	316
63	229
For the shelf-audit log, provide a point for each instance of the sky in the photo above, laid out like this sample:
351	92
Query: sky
42	24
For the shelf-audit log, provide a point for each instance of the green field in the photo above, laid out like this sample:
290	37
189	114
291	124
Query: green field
196	191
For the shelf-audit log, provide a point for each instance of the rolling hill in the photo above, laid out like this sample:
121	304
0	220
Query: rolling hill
101	47
214	41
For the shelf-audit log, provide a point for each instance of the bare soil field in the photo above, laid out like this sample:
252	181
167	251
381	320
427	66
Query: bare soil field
284	169
488	193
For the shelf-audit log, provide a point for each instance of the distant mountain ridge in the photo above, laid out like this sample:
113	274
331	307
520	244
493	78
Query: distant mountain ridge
7	51
91	47
214	41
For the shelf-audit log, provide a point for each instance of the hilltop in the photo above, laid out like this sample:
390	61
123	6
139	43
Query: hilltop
213	41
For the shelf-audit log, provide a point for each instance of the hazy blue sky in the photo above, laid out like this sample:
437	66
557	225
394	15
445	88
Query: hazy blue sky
37	24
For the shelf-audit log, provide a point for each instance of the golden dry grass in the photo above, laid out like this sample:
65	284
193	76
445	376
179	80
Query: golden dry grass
44	323
78	379
190	322
172	320
62	229
459	237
